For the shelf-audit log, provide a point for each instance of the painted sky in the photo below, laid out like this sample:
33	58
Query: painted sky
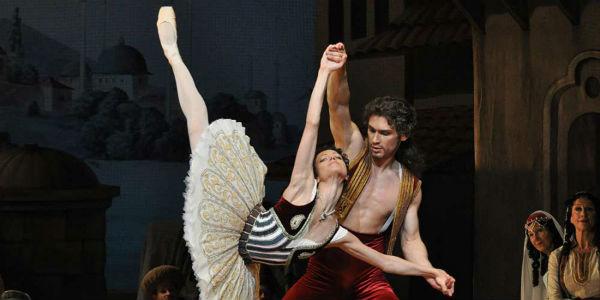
230	45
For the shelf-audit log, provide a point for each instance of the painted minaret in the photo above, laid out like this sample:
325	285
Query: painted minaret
82	75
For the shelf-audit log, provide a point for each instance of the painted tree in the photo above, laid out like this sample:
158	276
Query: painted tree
14	39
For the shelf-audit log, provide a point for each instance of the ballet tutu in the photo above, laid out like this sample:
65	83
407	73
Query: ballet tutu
224	183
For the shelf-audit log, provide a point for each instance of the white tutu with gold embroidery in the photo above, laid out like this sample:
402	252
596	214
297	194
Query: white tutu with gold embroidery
224	183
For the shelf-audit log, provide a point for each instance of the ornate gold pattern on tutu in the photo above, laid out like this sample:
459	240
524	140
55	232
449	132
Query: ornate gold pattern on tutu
214	244
214	215
225	183
221	269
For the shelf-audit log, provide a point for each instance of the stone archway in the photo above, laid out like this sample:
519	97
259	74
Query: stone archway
583	154
570	113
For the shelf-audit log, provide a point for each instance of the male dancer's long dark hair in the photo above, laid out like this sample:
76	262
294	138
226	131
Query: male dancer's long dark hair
403	118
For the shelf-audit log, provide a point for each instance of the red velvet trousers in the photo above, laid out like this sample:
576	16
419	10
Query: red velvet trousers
334	274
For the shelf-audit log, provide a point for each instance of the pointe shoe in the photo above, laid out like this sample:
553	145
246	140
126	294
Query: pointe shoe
167	32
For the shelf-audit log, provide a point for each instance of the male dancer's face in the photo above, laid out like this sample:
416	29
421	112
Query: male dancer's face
383	138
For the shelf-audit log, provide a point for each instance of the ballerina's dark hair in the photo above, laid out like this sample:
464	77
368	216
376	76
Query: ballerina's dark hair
334	148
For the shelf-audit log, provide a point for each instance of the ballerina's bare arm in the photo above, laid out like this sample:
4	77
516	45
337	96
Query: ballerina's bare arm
191	102
301	181
350	244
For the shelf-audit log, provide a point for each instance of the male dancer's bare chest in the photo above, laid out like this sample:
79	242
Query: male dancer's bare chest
374	204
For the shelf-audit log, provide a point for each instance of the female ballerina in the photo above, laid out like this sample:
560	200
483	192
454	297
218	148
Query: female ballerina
225	225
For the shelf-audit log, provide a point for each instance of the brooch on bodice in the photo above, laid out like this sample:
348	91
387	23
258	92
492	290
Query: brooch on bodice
296	221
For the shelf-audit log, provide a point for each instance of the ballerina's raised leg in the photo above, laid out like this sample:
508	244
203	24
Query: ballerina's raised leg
191	102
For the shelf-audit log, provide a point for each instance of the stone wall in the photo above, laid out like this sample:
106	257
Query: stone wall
514	70
54	250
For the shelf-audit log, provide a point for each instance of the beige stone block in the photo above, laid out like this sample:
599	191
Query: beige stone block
89	287
11	226
86	225
94	257
57	258
45	226
46	287
15	257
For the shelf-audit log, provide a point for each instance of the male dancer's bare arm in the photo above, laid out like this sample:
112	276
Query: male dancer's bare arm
191	102
345	133
413	247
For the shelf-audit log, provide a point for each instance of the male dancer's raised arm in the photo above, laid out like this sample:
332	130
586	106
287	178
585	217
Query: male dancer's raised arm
345	133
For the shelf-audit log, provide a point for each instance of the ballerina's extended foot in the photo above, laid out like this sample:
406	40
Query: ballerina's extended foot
167	33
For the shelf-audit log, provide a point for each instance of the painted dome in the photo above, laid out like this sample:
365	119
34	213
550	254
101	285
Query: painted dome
121	59
31	167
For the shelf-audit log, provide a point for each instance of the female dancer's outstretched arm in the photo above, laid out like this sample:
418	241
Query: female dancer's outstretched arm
191	102
301	181
392	264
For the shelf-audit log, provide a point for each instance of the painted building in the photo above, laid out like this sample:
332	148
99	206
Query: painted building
121	66
70	76
57	96
3	63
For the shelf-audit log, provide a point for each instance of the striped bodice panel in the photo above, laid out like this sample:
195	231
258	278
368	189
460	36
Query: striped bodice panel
267	242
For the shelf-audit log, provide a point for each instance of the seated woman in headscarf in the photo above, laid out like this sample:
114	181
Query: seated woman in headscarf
574	268
542	235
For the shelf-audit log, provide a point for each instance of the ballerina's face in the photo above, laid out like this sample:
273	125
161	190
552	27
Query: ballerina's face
330	163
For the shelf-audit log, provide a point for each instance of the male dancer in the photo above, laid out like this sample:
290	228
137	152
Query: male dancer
382	190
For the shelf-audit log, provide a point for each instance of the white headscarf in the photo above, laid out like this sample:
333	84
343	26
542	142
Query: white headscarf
528	291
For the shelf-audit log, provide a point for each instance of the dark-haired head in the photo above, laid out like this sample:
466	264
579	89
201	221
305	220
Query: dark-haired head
395	134
542	238
400	114
581	214
329	161
161	281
